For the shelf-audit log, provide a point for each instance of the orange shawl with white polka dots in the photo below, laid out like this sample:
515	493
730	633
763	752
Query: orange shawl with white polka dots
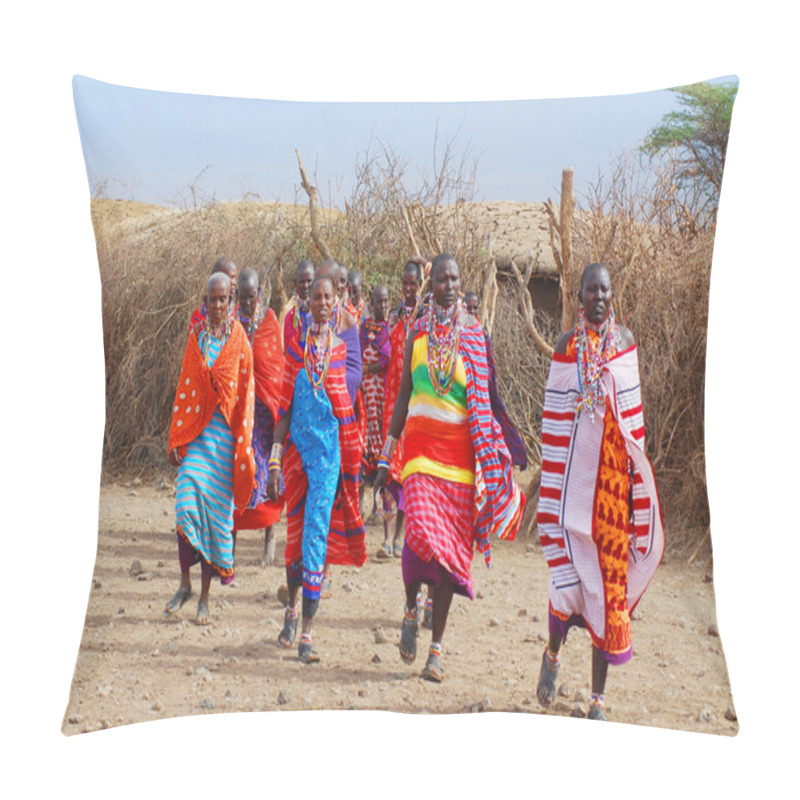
228	384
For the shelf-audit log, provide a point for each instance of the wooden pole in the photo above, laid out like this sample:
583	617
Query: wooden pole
565	232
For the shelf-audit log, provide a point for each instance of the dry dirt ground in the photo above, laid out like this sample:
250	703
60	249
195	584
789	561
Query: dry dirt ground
135	664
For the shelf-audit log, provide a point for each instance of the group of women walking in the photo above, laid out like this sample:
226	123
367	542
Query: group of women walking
298	417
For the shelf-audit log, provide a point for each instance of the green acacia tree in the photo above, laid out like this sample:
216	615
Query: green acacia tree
695	139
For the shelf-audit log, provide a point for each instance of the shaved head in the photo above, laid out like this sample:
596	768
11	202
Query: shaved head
218	279
226	265
329	267
306	265
248	277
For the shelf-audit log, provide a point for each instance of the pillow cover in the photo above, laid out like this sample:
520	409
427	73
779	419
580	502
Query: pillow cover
178	181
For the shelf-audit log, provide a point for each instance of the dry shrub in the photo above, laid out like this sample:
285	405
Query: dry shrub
660	268
521	369
388	207
153	270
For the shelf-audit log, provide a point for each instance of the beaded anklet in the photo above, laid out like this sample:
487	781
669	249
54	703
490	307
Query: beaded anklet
554	659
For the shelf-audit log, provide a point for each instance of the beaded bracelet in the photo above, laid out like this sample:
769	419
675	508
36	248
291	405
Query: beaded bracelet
275	456
385	458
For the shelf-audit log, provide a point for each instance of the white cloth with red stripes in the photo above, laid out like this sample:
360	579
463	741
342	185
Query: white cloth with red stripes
571	443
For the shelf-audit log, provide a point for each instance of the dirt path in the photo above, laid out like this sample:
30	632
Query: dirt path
134	664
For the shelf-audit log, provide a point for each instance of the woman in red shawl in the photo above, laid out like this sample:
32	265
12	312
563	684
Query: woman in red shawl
400	319
263	332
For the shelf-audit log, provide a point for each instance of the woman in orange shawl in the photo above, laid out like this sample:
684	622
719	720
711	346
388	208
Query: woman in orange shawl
210	443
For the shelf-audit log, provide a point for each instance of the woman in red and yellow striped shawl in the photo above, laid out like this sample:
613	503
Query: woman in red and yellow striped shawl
450	437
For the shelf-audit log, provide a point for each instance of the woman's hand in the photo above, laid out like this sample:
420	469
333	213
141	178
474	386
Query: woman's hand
274	484
175	456
381	479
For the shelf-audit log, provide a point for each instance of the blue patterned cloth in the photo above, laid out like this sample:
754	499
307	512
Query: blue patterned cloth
315	432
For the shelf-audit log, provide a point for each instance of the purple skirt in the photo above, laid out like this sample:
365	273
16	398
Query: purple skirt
415	570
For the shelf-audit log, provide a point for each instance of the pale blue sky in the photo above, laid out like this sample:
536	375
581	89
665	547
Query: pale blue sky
151	146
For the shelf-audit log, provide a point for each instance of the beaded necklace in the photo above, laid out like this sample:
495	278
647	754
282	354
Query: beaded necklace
317	353
443	346
222	333
374	331
593	352
406	314
335	319
251	325
297	317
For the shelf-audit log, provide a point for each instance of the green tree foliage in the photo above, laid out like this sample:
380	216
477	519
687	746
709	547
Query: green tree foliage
696	137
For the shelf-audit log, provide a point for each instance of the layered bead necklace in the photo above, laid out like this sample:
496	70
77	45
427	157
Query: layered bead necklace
407	314
593	353
375	332
222	332
251	325
317	352
444	336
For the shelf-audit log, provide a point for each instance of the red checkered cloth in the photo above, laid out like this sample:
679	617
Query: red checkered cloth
440	524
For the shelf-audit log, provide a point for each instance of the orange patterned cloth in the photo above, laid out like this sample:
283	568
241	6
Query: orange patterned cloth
229	384
612	524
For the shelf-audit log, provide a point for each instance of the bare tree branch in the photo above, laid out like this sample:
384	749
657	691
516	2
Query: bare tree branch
313	196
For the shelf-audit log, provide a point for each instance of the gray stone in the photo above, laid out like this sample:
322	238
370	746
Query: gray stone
136	567
207	704
481	706
380	636
705	715
284	697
